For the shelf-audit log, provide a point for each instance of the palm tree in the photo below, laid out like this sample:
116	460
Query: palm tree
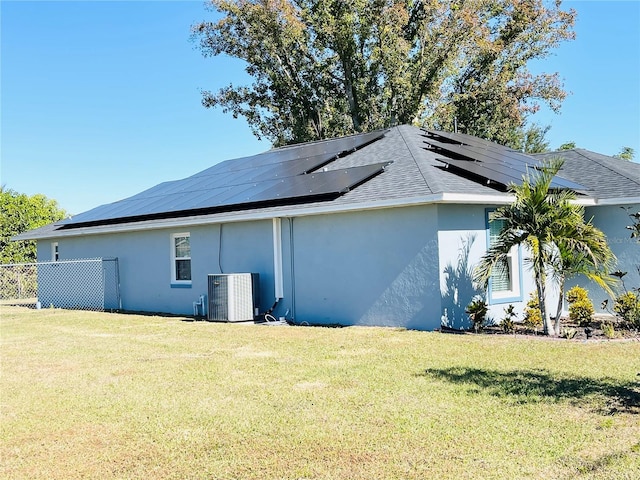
552	228
569	263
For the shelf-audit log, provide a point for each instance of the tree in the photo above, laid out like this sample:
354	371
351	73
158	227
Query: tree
550	225
635	225
567	263
20	213
626	153
531	140
567	146
324	68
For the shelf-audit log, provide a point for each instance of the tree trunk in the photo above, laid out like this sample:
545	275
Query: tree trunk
546	321
559	310
351	95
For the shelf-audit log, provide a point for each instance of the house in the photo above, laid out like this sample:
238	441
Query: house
381	228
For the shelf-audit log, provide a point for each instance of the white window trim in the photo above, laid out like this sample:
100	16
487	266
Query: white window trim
174	258
514	261
55	252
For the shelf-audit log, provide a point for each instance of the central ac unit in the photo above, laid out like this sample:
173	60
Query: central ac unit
233	297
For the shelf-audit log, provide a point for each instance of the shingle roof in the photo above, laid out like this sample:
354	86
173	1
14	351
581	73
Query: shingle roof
605	177
415	176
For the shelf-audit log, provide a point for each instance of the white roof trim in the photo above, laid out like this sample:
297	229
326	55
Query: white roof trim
301	211
250	215
618	201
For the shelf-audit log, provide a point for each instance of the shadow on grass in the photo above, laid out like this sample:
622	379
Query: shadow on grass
531	386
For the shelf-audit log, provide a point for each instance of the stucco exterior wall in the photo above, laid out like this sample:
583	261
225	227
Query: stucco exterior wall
389	267
463	240
613	220
376	267
145	261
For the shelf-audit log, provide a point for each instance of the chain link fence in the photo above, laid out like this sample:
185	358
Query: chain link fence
87	284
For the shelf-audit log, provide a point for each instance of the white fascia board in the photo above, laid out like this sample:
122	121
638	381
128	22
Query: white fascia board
474	199
237	217
270	214
585	201
618	201
439	198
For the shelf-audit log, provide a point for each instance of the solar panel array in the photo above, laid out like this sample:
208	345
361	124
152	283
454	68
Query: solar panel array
277	177
487	160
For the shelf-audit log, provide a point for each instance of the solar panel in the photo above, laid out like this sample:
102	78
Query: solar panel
462	138
476	168
488	160
521	164
235	184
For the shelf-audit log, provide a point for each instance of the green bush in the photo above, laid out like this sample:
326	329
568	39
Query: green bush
627	306
508	324
580	306
576	294
477	311
532	315
608	330
568	333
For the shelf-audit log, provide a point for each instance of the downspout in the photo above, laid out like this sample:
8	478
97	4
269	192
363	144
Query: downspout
278	279
293	269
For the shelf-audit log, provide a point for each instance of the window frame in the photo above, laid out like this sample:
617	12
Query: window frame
55	251
174	259
514	293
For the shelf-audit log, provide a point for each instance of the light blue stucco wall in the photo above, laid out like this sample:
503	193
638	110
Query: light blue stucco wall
388	267
612	220
376	267
463	240
393	267
144	259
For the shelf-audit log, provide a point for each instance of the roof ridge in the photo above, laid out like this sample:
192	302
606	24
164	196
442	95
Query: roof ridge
620	171
432	184
318	141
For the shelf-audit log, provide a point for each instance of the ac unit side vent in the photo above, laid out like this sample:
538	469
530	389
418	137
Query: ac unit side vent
233	297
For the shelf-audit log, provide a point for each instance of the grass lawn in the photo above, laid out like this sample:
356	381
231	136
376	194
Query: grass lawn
99	396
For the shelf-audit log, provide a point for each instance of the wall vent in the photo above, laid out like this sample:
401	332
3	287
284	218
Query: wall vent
233	297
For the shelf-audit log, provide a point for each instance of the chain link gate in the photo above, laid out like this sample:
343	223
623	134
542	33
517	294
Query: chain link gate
86	284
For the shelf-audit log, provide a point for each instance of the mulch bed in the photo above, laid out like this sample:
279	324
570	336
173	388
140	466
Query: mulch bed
591	332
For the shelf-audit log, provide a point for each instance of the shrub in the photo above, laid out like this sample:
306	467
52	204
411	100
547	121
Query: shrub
576	294
532	315
568	333
477	311
508	324
608	330
580	307
627	306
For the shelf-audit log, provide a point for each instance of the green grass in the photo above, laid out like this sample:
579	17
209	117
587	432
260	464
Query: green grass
92	395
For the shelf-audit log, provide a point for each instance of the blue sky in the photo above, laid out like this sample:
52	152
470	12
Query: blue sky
101	100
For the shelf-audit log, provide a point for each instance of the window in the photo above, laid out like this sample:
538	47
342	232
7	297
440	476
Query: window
180	259
504	284
55	253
